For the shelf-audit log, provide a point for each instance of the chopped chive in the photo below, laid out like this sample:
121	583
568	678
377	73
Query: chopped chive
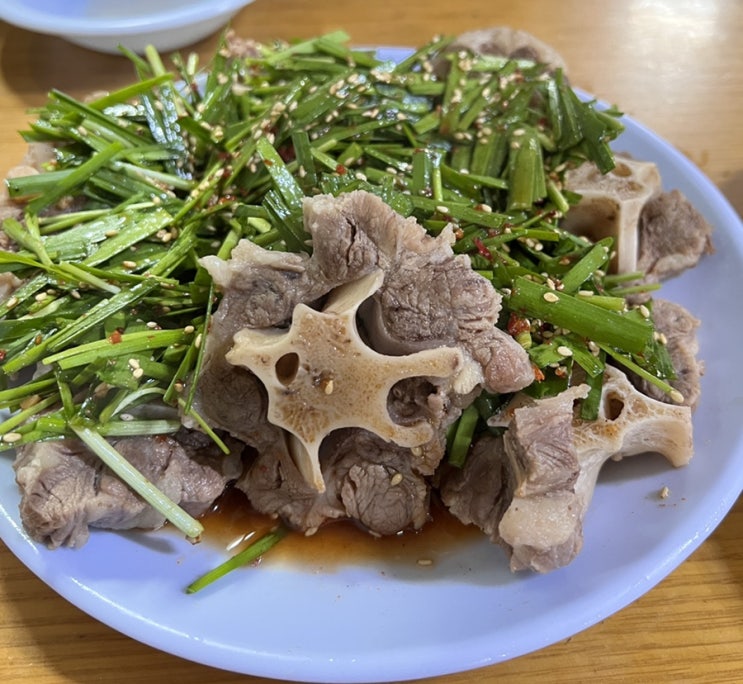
583	318
132	477
248	555
463	435
75	178
596	258
129	343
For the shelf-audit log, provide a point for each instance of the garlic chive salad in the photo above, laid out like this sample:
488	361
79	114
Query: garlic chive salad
112	304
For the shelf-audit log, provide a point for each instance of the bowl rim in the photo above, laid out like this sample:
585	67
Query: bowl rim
18	13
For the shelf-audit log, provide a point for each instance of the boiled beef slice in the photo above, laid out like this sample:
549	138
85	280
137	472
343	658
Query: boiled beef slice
66	489
673	236
368	480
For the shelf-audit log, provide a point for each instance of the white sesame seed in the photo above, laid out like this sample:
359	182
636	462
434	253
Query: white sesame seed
41	296
550	297
644	311
442	209
138	373
188	329
676	396
396	479
152	325
10	437
133	364
424	561
562	350
664	493
30	401
329	387
129	264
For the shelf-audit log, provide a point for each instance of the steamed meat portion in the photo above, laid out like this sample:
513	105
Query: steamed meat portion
428	305
673	236
530	489
67	489
367	479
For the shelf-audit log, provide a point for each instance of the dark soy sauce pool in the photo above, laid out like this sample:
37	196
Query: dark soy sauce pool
232	522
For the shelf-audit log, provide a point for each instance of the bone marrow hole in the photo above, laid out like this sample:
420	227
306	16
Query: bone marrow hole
613	406
287	367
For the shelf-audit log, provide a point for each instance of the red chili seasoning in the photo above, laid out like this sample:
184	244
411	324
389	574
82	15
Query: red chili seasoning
482	249
517	325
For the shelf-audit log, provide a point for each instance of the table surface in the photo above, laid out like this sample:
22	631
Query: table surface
675	66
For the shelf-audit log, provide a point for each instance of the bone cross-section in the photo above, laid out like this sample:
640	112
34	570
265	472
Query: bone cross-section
320	376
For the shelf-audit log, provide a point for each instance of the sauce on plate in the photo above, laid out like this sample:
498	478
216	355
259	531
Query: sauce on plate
232	522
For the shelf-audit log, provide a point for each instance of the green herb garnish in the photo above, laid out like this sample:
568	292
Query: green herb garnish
177	166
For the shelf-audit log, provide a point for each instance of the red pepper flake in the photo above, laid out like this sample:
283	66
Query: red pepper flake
517	325
267	162
115	336
482	249
538	375
3	354
341	170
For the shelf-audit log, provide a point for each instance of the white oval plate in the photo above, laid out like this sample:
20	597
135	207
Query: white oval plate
390	622
105	24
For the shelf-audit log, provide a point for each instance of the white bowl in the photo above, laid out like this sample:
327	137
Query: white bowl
105	24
